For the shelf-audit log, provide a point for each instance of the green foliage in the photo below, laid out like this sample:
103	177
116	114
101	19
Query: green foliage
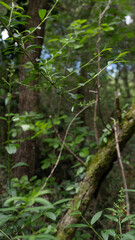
68	71
118	216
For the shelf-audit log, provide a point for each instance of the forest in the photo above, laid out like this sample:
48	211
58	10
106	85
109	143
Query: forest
67	119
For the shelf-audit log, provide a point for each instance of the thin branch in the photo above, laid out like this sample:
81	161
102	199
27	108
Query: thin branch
121	164
26	54
62	146
97	103
61	140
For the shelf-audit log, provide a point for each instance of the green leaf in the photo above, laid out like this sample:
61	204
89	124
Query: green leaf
62	201
50	215
25	127
38	237
46	236
46	165
36	209
70	187
10	209
8	99
11	149
19	7
70	70
122	54
75	213
84	152
80	170
12	199
129	190
5	5
113	218
44	192
96	217
20	164
2	118
44	202
129	235
4	219
2	166
128	218
42	13
32	237
77	225
105	233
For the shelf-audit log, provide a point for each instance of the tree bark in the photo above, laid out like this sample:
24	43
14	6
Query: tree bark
96	171
28	98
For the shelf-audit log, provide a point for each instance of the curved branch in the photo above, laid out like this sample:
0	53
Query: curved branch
98	168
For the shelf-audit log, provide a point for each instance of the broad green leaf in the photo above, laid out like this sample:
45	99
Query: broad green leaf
44	202
9	209
62	201
53	40
70	187
44	192
77	225
50	215
46	236
129	190
2	166
122	54
46	165
36	209
32	237
8	99
11	148
38	237
4	218
12	199
96	217
75	213
129	236
105	233
112	209
19	7
128	218
33	46
42	13
80	170
81	85
2	118
5	5
70	70
25	127
22	237
113	218
20	164
84	152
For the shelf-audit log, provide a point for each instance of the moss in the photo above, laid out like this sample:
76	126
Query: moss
98	168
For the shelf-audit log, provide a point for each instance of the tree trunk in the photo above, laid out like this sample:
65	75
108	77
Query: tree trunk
28	98
95	173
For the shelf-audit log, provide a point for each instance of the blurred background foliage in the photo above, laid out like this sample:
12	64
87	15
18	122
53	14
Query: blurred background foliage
70	42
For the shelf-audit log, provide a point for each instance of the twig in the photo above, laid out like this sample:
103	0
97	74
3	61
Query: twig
121	164
62	146
97	102
26	54
61	140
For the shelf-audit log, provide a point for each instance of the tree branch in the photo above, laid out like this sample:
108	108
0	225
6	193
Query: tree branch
96	171
61	140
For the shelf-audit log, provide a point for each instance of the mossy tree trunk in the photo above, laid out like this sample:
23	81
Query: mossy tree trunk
95	173
29	97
